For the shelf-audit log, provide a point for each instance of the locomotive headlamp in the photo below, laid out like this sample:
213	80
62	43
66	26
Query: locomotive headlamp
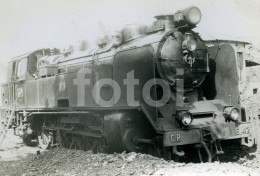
232	113
189	43
185	118
190	16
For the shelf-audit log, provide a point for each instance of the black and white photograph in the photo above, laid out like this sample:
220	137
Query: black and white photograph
129	88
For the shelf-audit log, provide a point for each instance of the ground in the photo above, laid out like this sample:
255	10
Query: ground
17	159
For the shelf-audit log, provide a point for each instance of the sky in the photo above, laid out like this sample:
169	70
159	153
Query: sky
26	25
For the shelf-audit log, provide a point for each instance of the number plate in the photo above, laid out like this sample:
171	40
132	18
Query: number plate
243	130
173	138
231	130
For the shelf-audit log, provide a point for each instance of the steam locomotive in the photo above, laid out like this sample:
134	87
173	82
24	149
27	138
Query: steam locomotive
156	89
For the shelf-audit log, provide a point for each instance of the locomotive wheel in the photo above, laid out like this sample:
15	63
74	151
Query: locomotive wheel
45	140
129	139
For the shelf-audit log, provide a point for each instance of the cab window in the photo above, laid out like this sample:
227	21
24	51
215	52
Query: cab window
22	68
10	74
32	65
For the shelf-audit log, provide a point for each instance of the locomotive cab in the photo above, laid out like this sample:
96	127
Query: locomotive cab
20	70
25	67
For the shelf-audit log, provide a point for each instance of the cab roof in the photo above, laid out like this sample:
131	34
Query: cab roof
27	54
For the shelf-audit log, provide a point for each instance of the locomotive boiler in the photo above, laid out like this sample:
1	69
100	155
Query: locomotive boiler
156	89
